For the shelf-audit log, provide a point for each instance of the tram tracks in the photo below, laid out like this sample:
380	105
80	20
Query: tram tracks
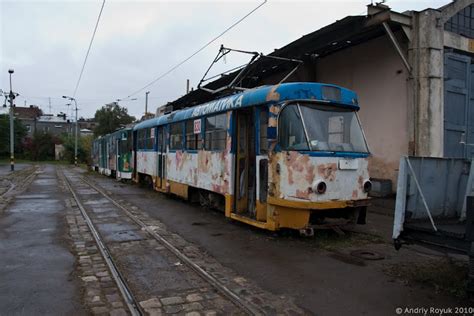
122	285
239	303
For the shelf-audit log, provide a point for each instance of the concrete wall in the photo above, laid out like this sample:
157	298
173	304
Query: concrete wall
375	71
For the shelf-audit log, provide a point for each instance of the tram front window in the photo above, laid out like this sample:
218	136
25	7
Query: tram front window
321	128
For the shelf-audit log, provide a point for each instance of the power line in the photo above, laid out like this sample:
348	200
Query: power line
89	49
196	52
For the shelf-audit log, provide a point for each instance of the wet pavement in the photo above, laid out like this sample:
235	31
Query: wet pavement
6	169
36	266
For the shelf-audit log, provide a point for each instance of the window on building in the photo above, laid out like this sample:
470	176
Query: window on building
193	134
462	23
176	136
216	132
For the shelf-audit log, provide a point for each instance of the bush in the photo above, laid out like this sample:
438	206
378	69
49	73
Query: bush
40	147
84	146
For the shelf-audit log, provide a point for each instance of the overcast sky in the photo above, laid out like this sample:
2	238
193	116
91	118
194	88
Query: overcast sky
45	42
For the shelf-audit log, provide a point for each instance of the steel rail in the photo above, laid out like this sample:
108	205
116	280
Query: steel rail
237	300
119	279
21	183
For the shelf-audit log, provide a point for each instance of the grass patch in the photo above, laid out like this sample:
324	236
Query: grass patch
331	241
443	275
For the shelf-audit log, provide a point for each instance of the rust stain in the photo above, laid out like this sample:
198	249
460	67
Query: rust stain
273	95
272	122
298	163
310	174
204	161
361	182
355	194
302	194
273	176
327	171
274	109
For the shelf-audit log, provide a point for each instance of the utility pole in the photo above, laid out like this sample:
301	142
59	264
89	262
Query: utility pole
49	105
12	128
146	102
75	141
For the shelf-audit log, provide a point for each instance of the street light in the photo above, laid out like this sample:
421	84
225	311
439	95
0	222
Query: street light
12	128
75	141
146	102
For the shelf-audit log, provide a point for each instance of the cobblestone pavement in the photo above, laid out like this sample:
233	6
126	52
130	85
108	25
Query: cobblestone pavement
158	279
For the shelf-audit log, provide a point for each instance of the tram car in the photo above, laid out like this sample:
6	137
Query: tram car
123	153
292	155
112	154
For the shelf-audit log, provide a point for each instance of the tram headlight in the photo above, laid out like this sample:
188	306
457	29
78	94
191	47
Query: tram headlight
367	186
319	187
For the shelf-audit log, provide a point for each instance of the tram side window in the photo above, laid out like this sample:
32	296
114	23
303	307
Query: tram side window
141	139
193	140
176	136
290	130
216	132
149	138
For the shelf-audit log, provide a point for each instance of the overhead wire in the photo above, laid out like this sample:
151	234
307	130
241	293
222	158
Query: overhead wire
88	50
196	52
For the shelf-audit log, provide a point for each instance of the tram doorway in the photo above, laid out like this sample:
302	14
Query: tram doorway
161	158
245	163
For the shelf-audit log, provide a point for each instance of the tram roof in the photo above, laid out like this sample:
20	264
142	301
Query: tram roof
330	94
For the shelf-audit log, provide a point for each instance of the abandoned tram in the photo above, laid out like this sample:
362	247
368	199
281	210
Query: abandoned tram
292	155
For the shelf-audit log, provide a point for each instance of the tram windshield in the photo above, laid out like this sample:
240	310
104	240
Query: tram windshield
320	127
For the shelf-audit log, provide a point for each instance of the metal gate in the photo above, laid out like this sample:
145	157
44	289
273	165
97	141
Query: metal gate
458	106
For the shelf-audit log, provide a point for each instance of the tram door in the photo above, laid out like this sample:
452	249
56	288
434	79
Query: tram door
135	170
245	164
161	157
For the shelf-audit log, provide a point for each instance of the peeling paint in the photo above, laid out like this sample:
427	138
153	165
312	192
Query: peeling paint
273	95
298	173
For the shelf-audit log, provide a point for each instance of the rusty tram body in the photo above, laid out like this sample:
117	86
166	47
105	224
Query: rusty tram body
290	156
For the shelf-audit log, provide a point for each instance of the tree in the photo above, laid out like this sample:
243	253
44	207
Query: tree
20	133
41	146
111	117
84	147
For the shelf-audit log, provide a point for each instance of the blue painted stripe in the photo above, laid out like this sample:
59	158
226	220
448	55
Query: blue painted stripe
301	91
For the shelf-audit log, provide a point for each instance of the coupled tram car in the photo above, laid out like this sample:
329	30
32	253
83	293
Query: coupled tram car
112	154
287	156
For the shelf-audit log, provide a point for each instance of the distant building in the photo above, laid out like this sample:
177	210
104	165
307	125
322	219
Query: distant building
35	121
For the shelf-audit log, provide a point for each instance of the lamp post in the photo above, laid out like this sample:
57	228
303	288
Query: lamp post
12	128
75	140
146	102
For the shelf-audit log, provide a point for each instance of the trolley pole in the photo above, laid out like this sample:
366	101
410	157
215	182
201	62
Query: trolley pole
12	128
